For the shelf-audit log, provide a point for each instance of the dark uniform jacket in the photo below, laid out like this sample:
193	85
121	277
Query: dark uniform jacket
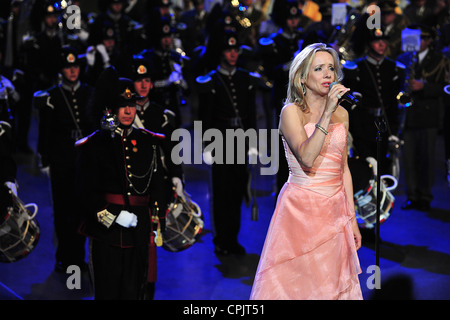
8	167
157	119
63	119
162	63
220	94
125	166
425	111
277	52
378	84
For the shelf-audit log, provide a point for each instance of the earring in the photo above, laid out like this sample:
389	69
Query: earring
303	89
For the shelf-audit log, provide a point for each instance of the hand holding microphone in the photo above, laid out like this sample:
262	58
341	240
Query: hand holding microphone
335	93
347	100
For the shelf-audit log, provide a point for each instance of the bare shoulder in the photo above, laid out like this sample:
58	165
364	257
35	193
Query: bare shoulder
290	115
341	116
291	111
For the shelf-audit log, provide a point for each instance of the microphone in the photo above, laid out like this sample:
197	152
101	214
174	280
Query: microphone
348	101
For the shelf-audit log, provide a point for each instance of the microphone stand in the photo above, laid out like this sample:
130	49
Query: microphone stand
380	123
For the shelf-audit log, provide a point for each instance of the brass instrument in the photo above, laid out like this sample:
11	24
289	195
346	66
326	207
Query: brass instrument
404	97
242	20
342	35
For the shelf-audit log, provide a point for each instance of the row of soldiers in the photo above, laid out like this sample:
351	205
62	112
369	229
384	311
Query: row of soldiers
215	63
181	44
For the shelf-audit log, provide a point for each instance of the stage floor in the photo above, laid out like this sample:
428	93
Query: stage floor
415	248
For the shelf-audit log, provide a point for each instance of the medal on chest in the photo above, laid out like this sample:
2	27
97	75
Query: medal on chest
134	143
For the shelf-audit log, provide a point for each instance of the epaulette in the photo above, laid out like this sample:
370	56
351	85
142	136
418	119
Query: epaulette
349	65
255	79
266	41
205	78
41	99
5	128
255	75
447	89
169	118
41	94
400	65
82	141
153	134
205	83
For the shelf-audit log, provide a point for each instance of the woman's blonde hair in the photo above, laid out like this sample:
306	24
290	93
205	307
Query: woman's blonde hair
300	68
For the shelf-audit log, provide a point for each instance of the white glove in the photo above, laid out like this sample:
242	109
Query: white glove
373	162
12	186
178	186
46	171
394	138
90	55
252	155
174	77
207	157
126	219
102	49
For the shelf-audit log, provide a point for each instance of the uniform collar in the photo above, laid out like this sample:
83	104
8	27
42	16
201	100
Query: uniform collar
226	72
69	87
124	131
422	55
144	106
373	61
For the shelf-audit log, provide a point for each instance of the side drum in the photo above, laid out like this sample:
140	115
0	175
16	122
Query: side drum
364	176
183	224
19	231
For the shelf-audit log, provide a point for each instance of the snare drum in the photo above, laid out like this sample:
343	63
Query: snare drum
19	231
365	192
183	224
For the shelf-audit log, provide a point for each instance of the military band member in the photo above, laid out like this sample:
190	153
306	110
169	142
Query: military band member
278	50
169	85
128	34
423	117
227	101
63	119
377	80
121	175
154	117
8	166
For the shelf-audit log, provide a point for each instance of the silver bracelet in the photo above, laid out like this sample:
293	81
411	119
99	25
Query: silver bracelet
321	128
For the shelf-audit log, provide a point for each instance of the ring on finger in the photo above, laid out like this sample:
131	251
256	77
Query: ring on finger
338	96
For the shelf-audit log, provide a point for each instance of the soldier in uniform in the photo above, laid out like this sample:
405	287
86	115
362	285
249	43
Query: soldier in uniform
44	48
227	101
120	187
169	85
63	119
195	33
425	86
8	166
394	23
153	117
128	34
377	80
277	52
247	16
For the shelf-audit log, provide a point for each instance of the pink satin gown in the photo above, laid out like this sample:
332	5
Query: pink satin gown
309	251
